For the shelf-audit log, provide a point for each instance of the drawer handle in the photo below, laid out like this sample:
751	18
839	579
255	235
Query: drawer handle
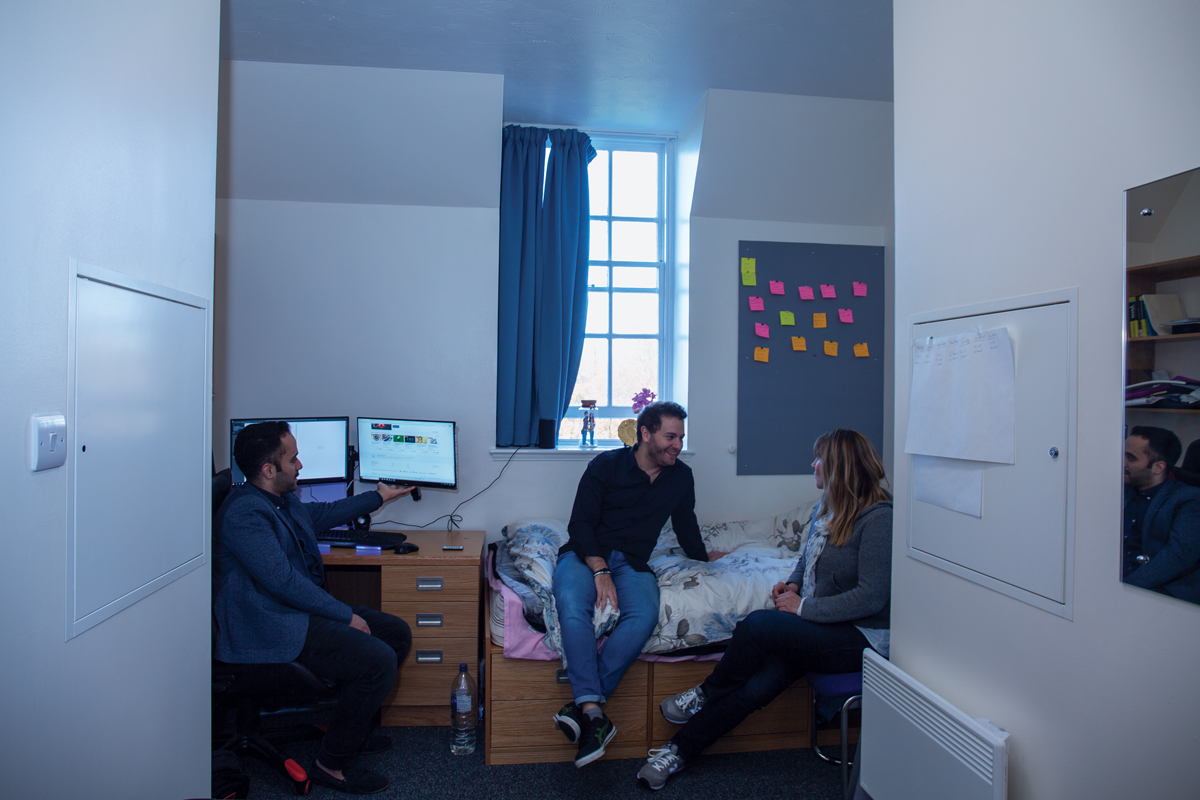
429	584
429	656
561	677
429	620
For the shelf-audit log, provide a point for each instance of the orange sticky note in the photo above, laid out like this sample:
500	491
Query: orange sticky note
860	289
831	348
827	291
787	318
798	343
806	293
819	320
860	350
761	329
776	287
756	304
761	354
845	315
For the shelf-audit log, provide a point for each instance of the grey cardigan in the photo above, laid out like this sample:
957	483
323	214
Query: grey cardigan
854	581
263	593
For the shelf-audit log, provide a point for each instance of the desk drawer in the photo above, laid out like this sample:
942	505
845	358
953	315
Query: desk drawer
428	672
434	617
417	583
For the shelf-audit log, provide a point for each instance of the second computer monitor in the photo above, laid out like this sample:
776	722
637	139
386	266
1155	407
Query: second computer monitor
409	451
322	442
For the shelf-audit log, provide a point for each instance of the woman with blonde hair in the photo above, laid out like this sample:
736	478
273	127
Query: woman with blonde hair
835	603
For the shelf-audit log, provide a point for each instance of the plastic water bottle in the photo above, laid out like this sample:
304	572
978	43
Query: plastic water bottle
464	713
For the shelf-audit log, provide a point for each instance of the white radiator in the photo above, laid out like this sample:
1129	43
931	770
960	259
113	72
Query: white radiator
916	746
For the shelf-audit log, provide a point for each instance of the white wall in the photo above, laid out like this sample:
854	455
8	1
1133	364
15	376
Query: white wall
107	147
774	168
1018	128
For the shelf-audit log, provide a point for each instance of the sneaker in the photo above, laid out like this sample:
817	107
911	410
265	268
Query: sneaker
596	735
683	706
570	721
355	780
662	764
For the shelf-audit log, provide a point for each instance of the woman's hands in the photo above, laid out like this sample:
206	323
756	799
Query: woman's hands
786	597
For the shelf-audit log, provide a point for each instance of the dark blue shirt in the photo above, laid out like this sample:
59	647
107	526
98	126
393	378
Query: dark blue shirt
618	508
1136	506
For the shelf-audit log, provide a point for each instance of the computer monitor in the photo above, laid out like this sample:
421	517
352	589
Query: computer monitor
409	451
323	443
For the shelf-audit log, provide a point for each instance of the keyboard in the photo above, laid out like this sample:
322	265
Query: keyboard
385	539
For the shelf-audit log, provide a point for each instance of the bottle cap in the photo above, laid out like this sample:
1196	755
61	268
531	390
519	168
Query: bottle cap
462	667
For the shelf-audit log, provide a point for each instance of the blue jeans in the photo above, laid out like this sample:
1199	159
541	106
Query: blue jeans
594	675
769	650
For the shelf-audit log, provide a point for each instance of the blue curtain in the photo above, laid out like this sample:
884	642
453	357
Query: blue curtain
543	277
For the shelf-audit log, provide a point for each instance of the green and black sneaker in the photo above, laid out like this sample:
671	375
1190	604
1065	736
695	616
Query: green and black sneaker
570	721
597	733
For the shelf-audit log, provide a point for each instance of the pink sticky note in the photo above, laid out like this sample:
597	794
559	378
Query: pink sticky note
845	315
806	293
860	289
776	287
756	304
827	290
762	330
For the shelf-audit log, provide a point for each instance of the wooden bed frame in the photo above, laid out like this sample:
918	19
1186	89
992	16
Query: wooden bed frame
521	696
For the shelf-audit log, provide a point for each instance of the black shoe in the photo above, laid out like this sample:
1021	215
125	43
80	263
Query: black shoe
355	780
570	721
375	743
597	733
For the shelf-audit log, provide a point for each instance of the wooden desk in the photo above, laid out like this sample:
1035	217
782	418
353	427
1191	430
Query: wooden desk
438	593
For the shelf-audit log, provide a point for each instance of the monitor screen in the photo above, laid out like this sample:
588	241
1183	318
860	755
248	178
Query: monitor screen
408	451
323	443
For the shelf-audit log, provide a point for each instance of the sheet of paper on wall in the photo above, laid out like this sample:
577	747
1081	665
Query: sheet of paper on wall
756	304
950	483
776	287
860	289
962	404
831	348
798	343
762	354
787	318
749	272
806	293
846	315
827	291
819	320
762	329
861	350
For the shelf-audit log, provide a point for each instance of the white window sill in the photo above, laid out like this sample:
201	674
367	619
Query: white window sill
561	453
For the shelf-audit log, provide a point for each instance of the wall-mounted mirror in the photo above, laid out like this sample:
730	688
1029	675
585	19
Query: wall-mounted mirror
1161	513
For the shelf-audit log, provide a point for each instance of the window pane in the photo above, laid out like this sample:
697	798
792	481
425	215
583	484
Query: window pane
598	241
635	184
592	383
634	313
597	276
597	316
635	367
635	241
598	184
635	277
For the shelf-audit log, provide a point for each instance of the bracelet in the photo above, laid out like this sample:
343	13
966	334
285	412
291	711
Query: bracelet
605	571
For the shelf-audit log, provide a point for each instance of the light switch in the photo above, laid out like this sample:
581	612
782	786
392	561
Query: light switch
47	441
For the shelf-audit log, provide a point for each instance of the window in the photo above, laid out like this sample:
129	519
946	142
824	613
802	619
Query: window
627	341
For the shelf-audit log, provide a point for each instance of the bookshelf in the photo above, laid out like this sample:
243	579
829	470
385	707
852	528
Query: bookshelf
1142	353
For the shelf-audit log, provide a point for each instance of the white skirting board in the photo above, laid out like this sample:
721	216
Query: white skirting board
917	746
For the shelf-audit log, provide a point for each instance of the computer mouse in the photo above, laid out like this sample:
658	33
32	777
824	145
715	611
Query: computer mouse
405	548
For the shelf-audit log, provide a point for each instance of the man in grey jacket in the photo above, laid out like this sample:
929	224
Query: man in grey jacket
271	604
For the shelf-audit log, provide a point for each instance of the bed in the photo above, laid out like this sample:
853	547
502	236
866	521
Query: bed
524	683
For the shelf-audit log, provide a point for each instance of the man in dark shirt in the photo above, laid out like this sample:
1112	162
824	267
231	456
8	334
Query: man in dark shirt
1162	517
625	497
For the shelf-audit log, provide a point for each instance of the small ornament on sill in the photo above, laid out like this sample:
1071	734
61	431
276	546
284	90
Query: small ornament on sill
588	429
627	431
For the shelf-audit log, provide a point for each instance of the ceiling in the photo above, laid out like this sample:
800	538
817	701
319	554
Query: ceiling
633	66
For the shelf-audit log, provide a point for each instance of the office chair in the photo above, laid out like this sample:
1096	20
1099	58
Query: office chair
846	685
255	691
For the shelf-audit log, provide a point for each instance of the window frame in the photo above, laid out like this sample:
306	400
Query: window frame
664	146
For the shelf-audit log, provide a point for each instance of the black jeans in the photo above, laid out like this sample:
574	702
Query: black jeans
770	649
364	666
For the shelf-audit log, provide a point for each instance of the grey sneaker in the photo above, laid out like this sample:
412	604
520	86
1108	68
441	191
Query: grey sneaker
683	706
662	764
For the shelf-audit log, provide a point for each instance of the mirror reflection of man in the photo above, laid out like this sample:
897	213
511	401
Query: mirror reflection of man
1162	517
271	604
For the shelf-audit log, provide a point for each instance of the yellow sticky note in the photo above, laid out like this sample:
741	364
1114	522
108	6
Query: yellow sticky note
749	272
819	320
860	350
831	348
760	354
798	343
787	318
